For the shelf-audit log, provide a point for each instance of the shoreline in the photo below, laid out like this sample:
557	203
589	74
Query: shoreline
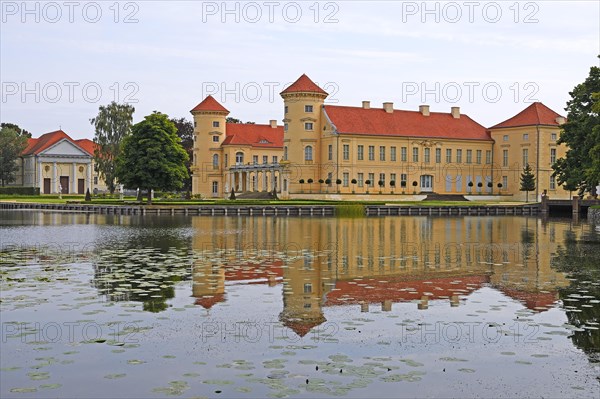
283	209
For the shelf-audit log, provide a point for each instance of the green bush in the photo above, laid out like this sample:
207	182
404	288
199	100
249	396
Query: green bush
20	190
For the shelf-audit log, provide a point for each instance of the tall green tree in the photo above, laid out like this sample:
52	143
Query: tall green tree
152	156
20	131
581	133
185	132
113	125
12	144
527	181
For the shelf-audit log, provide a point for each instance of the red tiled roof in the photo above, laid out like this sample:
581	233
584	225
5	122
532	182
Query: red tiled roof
532	300
209	104
208	301
536	114
301	326
86	144
254	135
304	85
378	122
349	292
35	146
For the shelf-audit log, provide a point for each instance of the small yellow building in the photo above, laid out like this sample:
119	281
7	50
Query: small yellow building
354	152
55	163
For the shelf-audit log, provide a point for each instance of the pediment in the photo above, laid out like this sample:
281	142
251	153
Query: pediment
65	148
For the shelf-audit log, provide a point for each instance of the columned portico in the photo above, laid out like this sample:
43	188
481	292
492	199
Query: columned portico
254	177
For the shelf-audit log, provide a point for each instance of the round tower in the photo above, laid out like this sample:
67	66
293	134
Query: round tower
209	133
303	122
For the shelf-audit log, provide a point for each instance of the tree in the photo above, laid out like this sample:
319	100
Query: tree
581	133
185	131
12	144
231	119
113	125
353	181
152	156
19	130
527	181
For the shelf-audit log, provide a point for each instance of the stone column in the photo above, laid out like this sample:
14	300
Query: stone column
74	179
89	177
55	178
40	176
248	181
265	181
273	179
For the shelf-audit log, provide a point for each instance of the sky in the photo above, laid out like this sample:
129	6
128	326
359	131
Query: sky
61	60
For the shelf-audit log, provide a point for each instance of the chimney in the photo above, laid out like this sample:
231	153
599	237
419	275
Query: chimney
424	110
273	123
560	120
388	107
455	111
366	104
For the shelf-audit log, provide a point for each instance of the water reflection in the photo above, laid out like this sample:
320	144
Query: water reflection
380	261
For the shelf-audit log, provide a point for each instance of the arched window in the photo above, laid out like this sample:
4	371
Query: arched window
239	158
308	153
215	161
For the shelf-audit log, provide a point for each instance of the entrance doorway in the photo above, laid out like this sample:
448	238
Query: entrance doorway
64	184
80	186
47	185
427	183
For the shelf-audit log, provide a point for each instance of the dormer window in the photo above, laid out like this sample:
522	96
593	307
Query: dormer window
215	123
308	108
263	141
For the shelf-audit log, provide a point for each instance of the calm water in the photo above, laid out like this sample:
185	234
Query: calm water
127	306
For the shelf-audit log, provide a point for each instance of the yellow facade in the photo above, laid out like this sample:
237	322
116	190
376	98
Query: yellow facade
314	151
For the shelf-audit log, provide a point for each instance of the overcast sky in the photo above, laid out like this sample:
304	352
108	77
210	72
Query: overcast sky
60	60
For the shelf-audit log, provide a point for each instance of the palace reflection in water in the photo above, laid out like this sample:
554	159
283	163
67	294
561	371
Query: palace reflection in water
332	262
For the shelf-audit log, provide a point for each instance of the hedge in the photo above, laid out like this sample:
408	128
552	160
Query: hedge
20	190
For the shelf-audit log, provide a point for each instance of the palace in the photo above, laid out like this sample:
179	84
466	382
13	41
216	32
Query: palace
345	152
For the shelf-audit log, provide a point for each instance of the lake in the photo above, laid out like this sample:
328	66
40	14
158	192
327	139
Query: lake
111	306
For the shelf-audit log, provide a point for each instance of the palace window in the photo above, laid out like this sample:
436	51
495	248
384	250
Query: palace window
215	161
308	108
275	160
265	159
525	137
371	153
372	179
360	152
285	153
552	183
438	155
381	153
393	154
285	127
427	155
552	155
215	139
459	156
505	158
285	109
525	157
360	180
239	158
308	153
215	123
346	179
553	136
403	154
308	126
415	154
255	159
505	137
469	156
448	155
346	152
478	156
488	157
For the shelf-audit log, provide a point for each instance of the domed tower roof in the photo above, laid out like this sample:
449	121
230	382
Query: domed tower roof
211	105
304	85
